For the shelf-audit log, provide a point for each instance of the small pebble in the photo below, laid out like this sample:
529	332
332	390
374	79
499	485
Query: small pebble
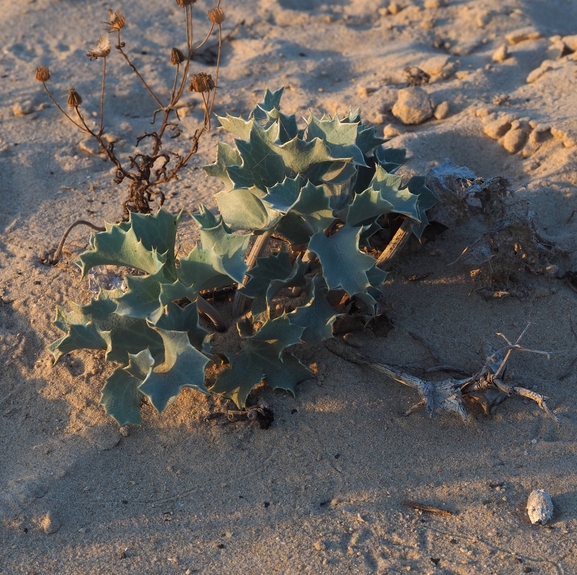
570	42
50	523
482	19
501	54
22	109
413	106
523	35
498	128
442	111
514	140
535	74
390	132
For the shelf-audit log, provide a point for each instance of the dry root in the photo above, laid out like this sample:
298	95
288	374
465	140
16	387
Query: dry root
487	387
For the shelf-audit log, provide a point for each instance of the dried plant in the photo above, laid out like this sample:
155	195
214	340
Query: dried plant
152	165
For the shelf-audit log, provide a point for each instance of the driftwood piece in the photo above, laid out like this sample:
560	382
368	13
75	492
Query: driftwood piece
486	387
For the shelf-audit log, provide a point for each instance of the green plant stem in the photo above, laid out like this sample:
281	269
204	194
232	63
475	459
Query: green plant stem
396	244
212	313
257	248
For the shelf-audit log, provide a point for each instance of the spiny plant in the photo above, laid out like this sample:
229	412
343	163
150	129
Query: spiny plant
152	165
307	208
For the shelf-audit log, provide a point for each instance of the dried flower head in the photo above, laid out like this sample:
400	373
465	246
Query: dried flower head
117	21
43	74
176	56
184	3
74	99
216	15
101	50
201	82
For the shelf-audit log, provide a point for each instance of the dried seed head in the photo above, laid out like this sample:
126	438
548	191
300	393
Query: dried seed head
176	56
216	15
184	3
101	50
43	74
117	21
201	82
74	99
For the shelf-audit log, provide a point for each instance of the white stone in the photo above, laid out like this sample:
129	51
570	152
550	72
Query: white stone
539	507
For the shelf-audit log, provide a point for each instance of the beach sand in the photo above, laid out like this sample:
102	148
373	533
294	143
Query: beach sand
324	489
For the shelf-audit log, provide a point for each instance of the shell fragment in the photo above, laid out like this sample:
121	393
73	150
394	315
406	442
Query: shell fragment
539	507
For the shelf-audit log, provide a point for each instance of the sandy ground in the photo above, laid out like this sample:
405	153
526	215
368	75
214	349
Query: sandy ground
322	490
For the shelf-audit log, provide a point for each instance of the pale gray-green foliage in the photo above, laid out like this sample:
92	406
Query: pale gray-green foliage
323	188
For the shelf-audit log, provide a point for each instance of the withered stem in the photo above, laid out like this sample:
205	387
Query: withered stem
143	81
61	109
101	129
56	257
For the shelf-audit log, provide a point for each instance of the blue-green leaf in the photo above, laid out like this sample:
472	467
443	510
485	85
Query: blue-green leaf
183	367
340	138
402	200
120	247
121	397
264	357
317	315
344	265
367	207
216	237
225	156
242	209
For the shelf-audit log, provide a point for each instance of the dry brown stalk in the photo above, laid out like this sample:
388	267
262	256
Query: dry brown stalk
152	166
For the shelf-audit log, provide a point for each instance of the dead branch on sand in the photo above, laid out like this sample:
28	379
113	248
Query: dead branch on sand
486	387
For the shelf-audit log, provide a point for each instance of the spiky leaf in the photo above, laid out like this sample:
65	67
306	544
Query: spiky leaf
344	265
264	357
270	275
243	209
225	156
183	367
237	126
185	319
230	248
367	207
79	336
307	209
142	298
317	316
120	247
402	200
427	199
340	138
391	159
121	397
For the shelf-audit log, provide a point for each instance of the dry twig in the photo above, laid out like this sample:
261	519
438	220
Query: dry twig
486	387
